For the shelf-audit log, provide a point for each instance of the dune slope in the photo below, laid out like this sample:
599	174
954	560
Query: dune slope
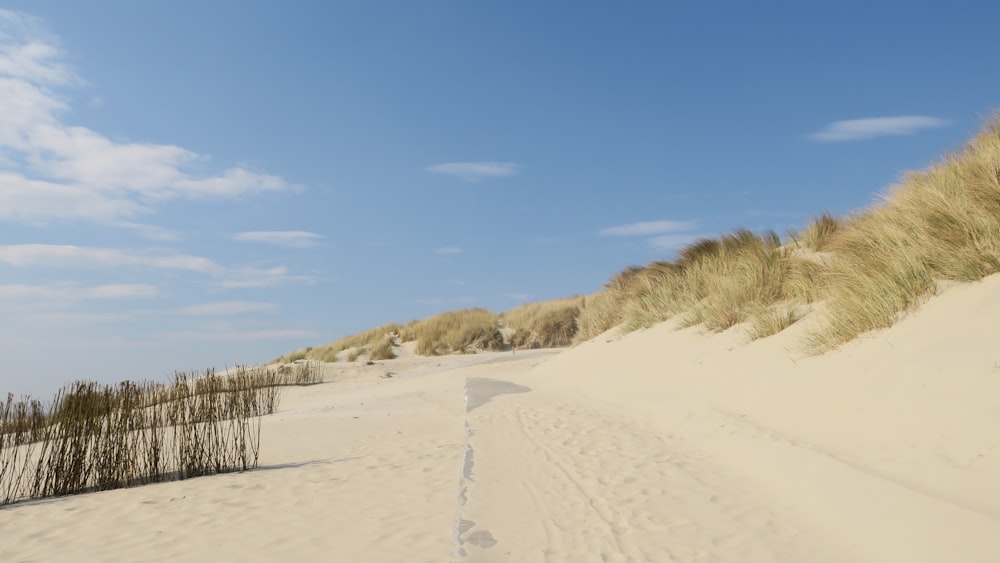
686	446
661	445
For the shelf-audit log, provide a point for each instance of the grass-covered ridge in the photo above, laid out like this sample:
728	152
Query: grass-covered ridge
533	325
939	224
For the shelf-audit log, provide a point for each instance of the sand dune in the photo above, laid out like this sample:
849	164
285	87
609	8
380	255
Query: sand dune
662	445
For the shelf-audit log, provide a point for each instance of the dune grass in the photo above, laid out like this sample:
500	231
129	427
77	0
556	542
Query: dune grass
93	436
541	324
939	224
718	283
942	223
376	342
458	332
544	324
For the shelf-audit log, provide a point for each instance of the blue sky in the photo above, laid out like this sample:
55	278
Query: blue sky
190	184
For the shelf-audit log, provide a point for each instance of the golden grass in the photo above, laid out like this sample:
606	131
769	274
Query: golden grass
939	224
544	324
376	342
819	235
606	309
452	332
714	282
773	320
458	331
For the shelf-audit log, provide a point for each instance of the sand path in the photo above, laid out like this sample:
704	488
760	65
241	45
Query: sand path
561	477
363	468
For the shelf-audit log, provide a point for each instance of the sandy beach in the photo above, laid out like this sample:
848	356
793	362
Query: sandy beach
660	445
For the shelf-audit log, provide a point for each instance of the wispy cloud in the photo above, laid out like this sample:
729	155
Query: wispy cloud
151	232
467	300
229	308
69	256
474	171
448	250
293	239
646	228
670	243
664	235
244	278
870	128
69	172
67	293
29	52
88	257
236	335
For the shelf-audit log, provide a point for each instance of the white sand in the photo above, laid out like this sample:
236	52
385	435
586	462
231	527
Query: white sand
662	445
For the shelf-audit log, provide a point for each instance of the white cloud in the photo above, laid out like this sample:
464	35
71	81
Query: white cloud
454	301
870	128
236	335
61	172
69	256
448	250
646	228
28	51
65	293
244	278
151	232
669	235
229	308
474	171
294	239
64	319
672	242
38	201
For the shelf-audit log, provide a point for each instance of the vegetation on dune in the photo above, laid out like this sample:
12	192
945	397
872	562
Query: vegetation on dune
544	324
942	223
458	331
534	325
738	277
939	224
97	437
376	342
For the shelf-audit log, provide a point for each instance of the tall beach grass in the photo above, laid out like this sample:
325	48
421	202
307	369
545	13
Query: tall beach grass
939	224
93	436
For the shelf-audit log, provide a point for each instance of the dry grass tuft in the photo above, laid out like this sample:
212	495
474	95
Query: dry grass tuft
545	324
819	235
458	331
773	320
377	342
